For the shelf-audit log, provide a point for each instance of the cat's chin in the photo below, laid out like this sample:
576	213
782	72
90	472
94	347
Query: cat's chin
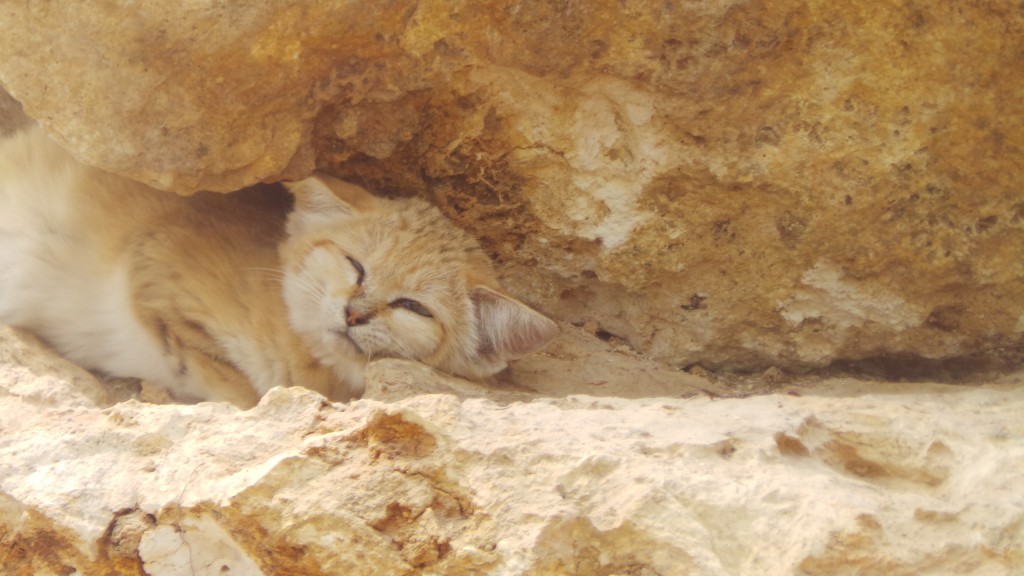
347	342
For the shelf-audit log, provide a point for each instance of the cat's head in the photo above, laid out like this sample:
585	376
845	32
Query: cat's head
376	278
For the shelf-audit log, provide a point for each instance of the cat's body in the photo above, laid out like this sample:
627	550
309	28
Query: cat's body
224	296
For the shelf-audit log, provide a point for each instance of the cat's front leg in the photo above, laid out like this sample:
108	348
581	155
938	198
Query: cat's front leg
199	368
217	378
338	384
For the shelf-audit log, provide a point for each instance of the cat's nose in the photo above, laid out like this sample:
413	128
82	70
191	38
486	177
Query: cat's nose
355	318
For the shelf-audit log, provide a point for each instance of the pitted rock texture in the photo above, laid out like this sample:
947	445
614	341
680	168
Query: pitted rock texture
451	478
737	184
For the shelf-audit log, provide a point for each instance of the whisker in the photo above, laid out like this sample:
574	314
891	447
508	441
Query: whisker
261	269
314	292
309	290
272	272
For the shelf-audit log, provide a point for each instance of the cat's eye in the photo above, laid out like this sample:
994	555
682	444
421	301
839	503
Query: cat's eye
360	273
412	306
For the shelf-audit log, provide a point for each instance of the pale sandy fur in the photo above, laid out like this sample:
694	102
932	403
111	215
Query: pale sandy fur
222	297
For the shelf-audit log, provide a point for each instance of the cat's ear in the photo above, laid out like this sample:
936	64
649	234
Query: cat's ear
321	198
507	328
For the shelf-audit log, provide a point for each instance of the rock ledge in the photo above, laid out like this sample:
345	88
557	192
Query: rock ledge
923	479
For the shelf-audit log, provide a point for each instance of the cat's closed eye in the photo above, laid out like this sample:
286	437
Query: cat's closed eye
360	272
412	306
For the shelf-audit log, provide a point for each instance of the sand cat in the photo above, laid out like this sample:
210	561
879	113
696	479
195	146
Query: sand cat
223	296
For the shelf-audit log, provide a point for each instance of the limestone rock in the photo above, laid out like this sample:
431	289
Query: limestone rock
732	183
30	371
924	481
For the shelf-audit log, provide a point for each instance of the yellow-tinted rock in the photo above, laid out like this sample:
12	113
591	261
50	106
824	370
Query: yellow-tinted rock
739	184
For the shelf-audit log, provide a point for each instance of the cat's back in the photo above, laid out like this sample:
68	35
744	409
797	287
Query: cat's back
55	280
46	194
49	199
62	229
34	173
83	250
38	232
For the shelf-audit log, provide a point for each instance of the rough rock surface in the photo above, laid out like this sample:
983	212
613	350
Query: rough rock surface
452	478
735	183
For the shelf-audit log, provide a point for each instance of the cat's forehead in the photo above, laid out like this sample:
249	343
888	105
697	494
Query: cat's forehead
422	261
420	230
417	217
406	243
